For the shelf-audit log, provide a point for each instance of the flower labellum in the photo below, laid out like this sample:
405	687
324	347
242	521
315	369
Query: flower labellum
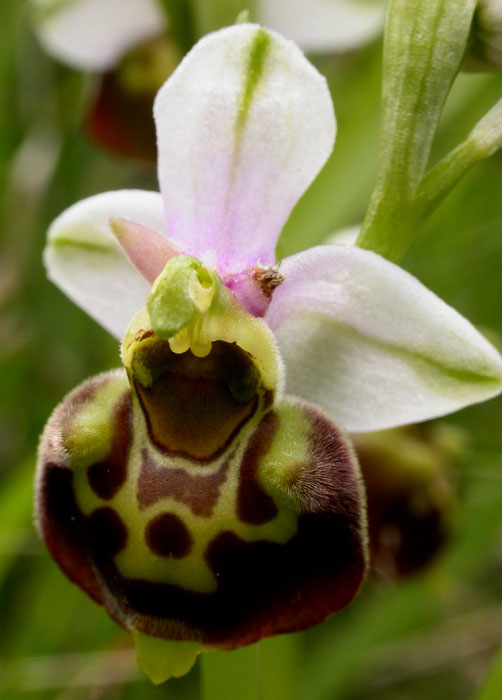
188	495
202	505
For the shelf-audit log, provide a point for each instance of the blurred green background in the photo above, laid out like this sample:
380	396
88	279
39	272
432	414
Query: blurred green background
432	636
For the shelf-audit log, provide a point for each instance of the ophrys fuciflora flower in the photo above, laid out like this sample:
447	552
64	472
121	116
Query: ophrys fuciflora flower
187	492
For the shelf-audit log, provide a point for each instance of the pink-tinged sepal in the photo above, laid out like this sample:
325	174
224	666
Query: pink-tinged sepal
244	125
366	341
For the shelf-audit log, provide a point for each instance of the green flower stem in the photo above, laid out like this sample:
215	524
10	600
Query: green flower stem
423	47
482	142
212	15
230	674
492	689
179	14
279	664
268	670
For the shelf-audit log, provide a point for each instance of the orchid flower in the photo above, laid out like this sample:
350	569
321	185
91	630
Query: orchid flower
188	493
325	26
95	34
410	494
128	42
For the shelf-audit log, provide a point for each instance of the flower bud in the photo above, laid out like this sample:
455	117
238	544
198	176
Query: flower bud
410	498
120	116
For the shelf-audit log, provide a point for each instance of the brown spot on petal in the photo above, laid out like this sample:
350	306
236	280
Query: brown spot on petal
195	406
107	476
167	536
199	492
254	505
106	533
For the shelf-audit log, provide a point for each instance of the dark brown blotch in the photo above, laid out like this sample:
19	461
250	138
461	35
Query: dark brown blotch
107	476
107	534
199	492
167	536
194	406
63	528
254	505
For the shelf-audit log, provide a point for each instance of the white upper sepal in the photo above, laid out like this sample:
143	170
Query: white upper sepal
243	126
325	25
94	34
369	343
85	260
